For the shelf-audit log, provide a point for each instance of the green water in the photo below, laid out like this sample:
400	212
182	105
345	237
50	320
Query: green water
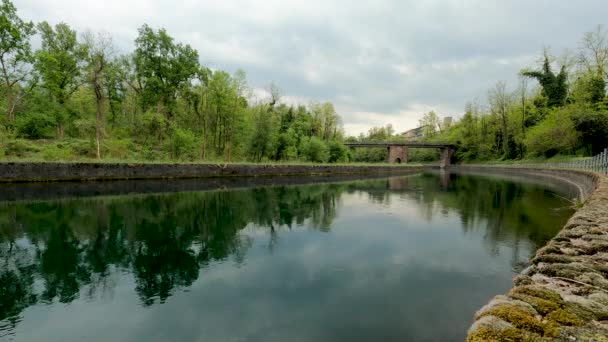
395	259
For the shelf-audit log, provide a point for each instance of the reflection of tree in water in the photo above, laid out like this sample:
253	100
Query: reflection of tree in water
63	266
163	259
507	212
163	240
73	247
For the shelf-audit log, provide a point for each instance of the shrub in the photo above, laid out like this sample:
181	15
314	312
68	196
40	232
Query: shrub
20	148
118	148
80	147
182	144
554	134
423	155
56	152
337	152
34	126
3	139
593	128
151	126
314	150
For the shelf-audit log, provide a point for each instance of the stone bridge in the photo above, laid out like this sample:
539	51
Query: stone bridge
398	151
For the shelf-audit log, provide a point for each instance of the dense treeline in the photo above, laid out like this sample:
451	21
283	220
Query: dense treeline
566	114
77	97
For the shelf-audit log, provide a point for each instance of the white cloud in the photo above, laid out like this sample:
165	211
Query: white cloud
405	119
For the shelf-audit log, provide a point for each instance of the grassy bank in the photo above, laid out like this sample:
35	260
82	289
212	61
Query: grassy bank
537	160
120	151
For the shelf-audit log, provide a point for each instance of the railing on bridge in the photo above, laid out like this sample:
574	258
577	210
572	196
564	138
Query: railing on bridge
412	144
598	163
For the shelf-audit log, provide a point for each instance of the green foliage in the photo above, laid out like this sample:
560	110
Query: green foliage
56	152
20	148
338	153
287	145
15	52
59	61
419	155
429	124
156	103
34	126
151	127
589	88
554	87
182	144
3	141
553	135
593	129
263	140
314	150
159	103
162	67
118	148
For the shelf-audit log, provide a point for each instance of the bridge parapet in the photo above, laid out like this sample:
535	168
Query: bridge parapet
398	151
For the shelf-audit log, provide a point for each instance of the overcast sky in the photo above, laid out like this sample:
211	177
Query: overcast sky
379	62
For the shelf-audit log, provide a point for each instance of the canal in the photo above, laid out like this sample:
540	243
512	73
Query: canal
406	258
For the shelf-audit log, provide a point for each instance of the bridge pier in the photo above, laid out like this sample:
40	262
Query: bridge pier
446	157
397	154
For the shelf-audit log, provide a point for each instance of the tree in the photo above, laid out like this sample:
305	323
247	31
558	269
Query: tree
263	139
100	50
593	57
224	110
554	87
275	94
15	52
429	123
593	51
59	62
500	100
161	68
522	92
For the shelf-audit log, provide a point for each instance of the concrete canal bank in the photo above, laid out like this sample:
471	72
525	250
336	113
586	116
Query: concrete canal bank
563	294
46	172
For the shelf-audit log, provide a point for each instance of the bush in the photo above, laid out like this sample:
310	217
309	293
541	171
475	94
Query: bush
593	129
79	147
149	153
555	134
20	148
118	148
34	126
3	140
423	155
182	144
337	152
151	126
314	150
56	152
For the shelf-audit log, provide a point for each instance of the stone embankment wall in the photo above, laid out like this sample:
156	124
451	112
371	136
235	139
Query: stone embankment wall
36	191
563	294
36	172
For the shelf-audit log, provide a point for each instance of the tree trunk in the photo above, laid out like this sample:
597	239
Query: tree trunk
10	104
505	138
98	125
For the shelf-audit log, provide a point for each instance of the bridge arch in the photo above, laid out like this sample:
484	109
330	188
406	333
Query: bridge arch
398	152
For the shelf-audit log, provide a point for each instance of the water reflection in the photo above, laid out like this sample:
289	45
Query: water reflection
60	251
